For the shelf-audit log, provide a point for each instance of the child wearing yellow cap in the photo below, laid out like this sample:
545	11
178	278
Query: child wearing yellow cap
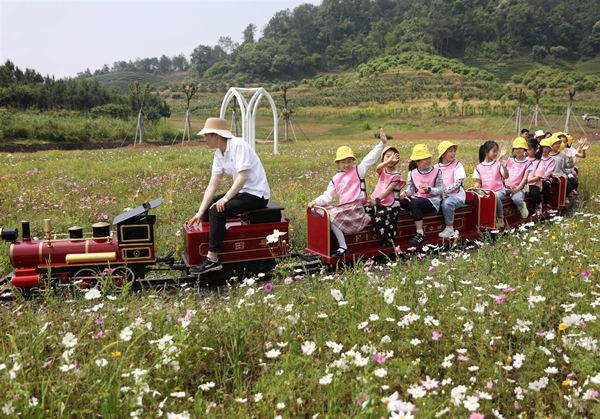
563	162
385	199
547	163
453	175
579	152
424	190
534	181
349	185
519	168
490	174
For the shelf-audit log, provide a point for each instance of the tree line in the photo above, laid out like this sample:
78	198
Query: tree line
341	34
30	90
162	65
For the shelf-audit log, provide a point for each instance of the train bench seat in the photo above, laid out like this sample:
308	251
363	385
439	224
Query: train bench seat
269	214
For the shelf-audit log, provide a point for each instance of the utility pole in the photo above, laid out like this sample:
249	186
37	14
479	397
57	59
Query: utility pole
286	111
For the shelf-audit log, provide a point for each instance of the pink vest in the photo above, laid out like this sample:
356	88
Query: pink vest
383	183
549	164
428	179
490	176
516	171
348	185
535	166
448	174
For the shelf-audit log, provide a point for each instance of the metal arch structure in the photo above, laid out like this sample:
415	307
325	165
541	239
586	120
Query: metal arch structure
248	112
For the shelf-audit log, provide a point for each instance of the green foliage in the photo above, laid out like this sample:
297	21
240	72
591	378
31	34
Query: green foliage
539	52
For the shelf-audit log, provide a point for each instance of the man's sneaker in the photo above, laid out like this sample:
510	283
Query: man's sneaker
446	233
206	265
417	239
524	212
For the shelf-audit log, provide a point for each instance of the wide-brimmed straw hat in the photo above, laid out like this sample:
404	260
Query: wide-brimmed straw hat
444	146
420	152
520	142
217	126
390	147
343	153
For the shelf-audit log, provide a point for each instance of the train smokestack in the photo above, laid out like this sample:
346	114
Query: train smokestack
25	229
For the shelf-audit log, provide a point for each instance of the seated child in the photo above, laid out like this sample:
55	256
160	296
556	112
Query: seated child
424	190
453	175
385	201
563	162
349	184
547	164
519	167
534	181
490	174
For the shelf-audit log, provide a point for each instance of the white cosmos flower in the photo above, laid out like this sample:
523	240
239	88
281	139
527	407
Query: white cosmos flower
551	370
326	379
258	397
69	340
363	325
336	294
126	334
273	353
101	362
417	392
178	394
308	347
380	372
92	294
373	317
471	403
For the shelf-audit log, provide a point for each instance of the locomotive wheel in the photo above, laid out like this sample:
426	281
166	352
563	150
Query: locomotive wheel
122	275
88	275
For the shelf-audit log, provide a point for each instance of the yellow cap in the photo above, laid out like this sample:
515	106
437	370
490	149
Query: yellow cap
570	139
520	142
562	146
343	153
554	138
390	147
420	152
444	146
546	143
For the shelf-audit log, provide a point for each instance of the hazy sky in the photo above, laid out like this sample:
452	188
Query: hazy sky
61	38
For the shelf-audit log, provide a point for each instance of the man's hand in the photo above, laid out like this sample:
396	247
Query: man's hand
220	204
195	219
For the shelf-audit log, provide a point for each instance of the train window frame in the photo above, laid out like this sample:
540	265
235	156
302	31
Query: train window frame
122	237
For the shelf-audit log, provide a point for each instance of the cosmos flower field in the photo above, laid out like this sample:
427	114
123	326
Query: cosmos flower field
502	327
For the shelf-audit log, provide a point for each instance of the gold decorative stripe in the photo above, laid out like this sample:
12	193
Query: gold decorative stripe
40	252
91	257
10	254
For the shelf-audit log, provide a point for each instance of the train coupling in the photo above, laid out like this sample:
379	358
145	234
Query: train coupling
169	259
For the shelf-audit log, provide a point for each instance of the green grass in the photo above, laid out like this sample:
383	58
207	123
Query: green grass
589	67
154	354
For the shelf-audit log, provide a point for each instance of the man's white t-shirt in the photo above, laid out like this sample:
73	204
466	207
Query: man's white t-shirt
238	157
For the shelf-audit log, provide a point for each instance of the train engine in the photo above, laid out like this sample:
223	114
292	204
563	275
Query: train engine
79	256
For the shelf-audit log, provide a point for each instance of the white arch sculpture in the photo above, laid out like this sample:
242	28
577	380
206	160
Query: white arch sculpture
248	111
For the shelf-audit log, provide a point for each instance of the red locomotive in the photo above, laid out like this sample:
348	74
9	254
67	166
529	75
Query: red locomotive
252	244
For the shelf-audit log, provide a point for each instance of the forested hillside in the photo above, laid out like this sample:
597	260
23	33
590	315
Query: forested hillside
341	34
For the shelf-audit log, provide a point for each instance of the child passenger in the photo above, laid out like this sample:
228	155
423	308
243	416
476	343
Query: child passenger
547	163
423	191
534	181
385	202
563	162
519	167
453	175
349	184
490	174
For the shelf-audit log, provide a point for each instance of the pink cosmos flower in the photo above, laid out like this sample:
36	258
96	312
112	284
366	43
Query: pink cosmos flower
288	280
476	415
405	407
463	358
210	406
100	319
431	270
98	335
509	288
380	359
500	298
430	383
268	287
490	384
517	405
46	363
398	250
586	274
364	400
516	252
436	335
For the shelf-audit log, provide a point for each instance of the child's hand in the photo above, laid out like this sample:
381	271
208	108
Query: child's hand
382	136
394	159
568	153
403	195
311	204
582	141
586	147
423	187
503	152
372	202
504	163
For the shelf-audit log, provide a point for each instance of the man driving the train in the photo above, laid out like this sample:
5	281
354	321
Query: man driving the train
250	189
